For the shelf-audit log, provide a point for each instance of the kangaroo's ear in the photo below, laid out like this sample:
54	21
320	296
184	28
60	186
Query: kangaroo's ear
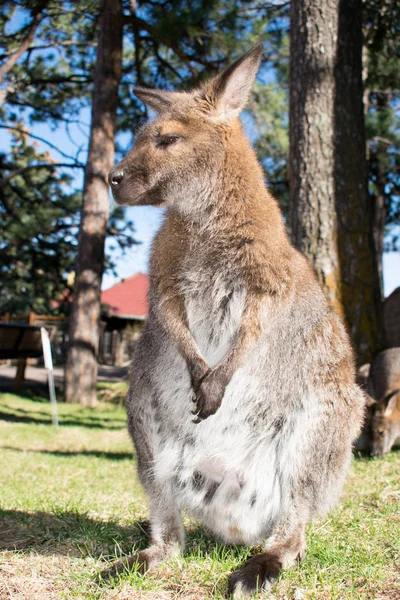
228	92
159	100
369	401
390	401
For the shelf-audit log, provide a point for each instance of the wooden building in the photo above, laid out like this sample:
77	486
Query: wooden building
124	310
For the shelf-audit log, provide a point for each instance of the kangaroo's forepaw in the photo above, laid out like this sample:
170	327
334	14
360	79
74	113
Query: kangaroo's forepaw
209	396
256	575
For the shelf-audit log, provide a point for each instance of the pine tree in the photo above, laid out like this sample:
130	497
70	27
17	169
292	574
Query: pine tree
39	215
382	99
330	213
81	366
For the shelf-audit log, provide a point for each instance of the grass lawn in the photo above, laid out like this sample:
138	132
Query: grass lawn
70	501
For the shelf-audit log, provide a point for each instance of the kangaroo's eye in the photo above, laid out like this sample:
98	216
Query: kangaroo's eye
167	140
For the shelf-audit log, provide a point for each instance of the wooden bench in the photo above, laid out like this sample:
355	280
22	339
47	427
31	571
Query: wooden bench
21	342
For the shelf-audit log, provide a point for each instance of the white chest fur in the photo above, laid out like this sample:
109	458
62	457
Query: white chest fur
214	308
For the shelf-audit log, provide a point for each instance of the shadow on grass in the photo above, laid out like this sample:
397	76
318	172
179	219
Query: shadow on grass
68	533
93	416
19	415
71	533
31	394
73	453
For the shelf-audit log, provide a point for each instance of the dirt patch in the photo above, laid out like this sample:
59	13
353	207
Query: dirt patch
127	593
31	577
391	591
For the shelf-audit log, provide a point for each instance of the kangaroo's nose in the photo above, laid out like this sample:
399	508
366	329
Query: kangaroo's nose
115	177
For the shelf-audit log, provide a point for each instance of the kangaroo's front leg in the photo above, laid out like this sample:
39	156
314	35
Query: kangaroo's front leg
173	314
212	388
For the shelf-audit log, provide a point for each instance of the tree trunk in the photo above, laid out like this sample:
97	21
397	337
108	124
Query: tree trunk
379	215
330	213
377	160
359	270
81	365
311	165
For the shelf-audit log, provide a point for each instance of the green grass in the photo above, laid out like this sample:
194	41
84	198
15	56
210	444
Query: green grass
112	391
70	502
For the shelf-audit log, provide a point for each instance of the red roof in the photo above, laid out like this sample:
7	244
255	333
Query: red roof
128	298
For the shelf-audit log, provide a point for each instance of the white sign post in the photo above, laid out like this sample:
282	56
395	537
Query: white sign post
48	363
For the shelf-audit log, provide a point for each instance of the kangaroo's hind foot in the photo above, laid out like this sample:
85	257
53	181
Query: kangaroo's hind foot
142	561
260	572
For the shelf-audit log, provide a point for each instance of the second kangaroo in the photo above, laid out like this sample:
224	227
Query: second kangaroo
243	404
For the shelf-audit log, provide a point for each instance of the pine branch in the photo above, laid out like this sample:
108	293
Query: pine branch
74	78
49	166
14	56
13	101
136	38
164	62
164	39
36	137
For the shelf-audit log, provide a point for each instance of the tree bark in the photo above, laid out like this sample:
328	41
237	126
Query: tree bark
330	213
81	364
377	160
379	215
360	283
312	213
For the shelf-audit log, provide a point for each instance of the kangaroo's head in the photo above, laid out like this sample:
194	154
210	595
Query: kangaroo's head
178	158
386	423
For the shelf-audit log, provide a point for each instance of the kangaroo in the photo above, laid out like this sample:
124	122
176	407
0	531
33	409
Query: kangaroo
243	405
385	384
